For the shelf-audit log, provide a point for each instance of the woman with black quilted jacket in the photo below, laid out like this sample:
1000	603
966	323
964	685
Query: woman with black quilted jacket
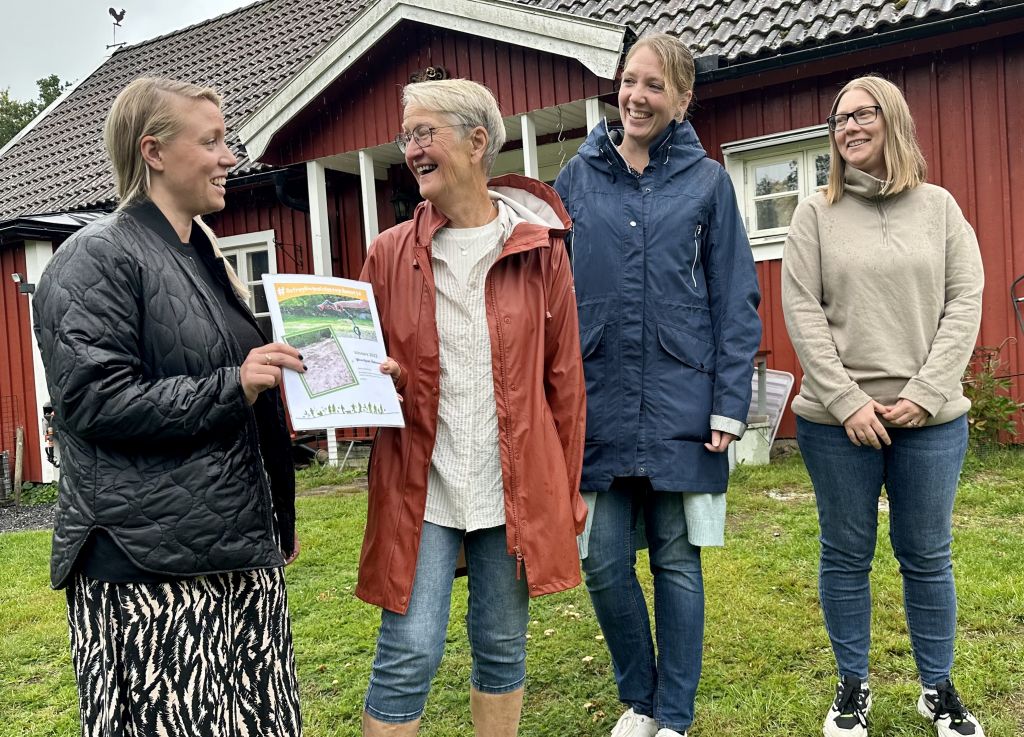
176	510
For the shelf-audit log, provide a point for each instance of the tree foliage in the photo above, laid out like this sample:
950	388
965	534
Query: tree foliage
16	114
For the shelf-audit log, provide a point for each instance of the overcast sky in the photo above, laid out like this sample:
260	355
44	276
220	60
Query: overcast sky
69	37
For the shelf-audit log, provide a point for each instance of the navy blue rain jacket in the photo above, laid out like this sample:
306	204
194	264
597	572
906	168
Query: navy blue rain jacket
667	295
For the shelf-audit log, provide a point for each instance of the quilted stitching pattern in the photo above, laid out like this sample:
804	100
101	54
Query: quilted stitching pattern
157	438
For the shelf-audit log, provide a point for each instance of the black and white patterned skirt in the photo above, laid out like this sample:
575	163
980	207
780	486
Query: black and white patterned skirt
205	656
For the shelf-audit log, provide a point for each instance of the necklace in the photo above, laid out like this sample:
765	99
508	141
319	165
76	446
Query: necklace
629	165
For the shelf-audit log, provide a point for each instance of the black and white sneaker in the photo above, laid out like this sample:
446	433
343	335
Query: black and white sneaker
948	712
848	716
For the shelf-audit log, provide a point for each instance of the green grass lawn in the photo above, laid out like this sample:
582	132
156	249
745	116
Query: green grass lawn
768	668
342	326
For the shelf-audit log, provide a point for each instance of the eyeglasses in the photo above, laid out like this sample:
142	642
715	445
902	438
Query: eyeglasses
862	116
422	134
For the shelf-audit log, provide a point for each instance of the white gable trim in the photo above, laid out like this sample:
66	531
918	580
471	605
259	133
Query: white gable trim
49	108
597	45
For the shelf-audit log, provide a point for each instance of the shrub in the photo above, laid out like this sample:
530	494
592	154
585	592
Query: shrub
993	415
38	493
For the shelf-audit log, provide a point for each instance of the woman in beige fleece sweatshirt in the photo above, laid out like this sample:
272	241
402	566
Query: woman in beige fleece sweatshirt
881	290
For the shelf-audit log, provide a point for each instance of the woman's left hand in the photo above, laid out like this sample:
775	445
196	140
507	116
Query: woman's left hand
294	554
719	441
905	414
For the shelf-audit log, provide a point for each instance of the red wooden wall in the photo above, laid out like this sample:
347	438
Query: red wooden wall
967	105
17	382
362	108
960	89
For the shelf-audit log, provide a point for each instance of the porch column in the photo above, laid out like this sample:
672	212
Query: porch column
319	225
593	113
37	256
368	192
530	166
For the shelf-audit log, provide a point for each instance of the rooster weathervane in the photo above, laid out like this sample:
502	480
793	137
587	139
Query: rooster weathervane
118	16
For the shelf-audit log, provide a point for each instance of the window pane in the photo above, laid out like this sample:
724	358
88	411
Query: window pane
257	264
821	170
774	178
259	297
776	212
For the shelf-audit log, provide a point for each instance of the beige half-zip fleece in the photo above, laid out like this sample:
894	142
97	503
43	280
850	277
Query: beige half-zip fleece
882	299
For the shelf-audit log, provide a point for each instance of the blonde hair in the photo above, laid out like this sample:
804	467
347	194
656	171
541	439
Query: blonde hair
904	163
676	61
146	107
469	103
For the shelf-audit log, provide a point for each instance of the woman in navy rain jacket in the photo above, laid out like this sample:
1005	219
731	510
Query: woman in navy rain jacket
667	296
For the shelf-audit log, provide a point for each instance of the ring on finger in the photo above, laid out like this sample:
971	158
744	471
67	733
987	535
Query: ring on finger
269	358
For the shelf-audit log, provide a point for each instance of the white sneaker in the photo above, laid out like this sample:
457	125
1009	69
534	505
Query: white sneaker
948	712
848	716
632	724
669	733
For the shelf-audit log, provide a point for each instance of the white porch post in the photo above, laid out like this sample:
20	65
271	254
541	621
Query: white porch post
320	230
37	256
530	165
368	192
319	226
593	113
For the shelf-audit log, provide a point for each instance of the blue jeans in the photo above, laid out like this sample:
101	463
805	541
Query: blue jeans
664	687
920	471
410	646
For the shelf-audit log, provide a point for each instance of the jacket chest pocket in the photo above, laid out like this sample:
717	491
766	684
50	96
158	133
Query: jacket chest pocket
597	247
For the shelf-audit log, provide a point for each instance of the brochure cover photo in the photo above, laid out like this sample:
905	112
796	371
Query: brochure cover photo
334	325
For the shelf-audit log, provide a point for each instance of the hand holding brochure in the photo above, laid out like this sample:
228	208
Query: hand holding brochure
334	325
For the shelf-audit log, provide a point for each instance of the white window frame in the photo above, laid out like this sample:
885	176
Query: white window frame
240	245
740	155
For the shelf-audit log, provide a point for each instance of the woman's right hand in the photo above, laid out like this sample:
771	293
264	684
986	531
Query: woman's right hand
864	427
261	369
391	368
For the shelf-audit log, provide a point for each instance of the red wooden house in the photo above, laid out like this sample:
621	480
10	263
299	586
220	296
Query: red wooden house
312	87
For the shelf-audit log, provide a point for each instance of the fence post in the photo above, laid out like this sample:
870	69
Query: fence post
19	457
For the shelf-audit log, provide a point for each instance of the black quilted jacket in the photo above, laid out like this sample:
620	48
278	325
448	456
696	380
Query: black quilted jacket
158	444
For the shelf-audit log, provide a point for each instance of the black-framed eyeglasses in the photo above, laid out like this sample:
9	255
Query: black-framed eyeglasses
861	116
423	135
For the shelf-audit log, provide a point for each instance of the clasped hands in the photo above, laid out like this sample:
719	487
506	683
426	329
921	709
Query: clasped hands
864	427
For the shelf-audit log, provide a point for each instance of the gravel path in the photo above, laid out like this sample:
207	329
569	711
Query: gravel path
36	517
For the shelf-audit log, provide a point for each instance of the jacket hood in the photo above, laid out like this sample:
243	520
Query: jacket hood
677	147
529	199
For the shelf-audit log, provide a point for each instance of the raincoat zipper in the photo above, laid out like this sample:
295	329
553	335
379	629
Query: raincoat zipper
508	429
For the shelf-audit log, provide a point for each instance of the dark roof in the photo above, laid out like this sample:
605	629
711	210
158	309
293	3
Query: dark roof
735	29
250	53
247	54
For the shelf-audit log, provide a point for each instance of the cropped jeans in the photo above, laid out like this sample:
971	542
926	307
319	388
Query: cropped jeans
410	645
920	472
663	687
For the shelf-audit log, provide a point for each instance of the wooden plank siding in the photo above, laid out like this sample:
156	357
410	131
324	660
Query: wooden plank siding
17	381
960	95
967	107
362	108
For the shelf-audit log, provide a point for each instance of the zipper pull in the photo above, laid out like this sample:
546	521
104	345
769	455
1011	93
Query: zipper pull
519	563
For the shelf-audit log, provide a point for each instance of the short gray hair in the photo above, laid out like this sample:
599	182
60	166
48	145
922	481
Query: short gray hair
466	102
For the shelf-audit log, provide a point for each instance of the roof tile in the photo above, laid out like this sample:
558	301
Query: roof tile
250	53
